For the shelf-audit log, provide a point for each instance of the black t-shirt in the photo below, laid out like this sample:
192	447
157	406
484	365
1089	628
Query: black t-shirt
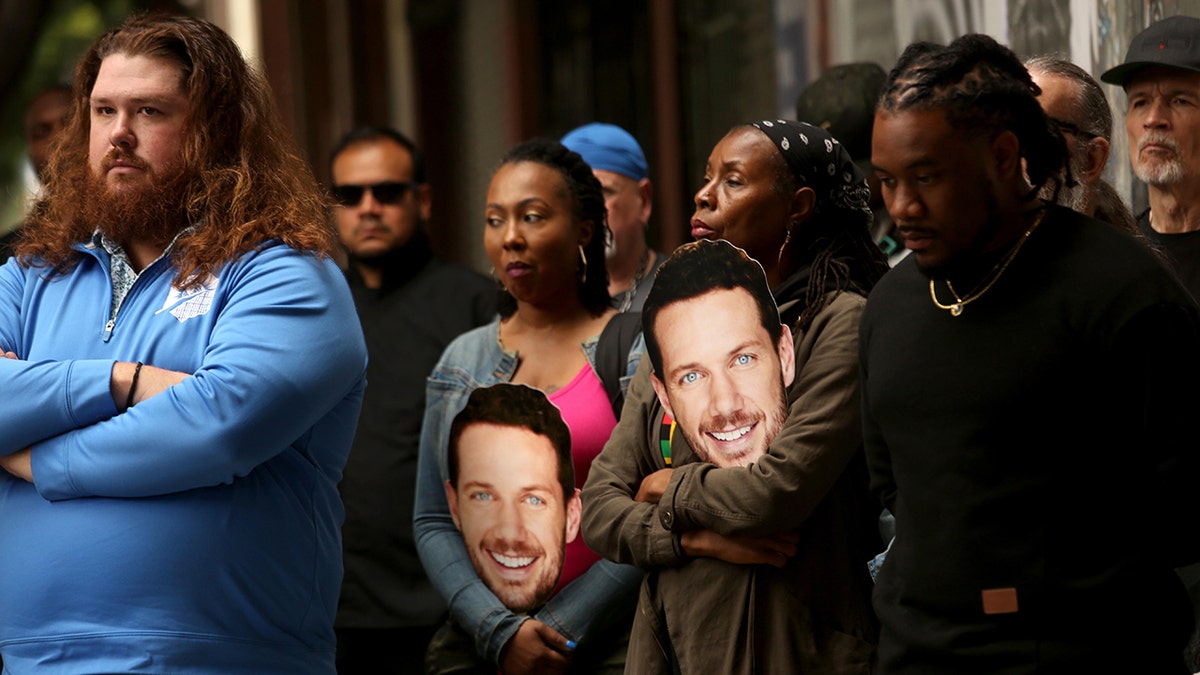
1183	252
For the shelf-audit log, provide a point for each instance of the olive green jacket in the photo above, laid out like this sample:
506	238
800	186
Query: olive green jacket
705	615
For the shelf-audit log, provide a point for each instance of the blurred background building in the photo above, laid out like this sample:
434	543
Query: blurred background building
468	78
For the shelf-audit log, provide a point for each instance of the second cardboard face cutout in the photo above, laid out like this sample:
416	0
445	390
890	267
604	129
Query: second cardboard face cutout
508	501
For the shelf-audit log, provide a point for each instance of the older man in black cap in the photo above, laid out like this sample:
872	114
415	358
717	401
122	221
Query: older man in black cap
1161	78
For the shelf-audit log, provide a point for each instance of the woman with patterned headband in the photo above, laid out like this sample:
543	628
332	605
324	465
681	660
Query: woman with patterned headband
719	596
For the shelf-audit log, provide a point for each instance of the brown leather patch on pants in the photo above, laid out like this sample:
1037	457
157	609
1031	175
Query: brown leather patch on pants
999	601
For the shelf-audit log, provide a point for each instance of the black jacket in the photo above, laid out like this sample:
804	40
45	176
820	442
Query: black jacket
423	304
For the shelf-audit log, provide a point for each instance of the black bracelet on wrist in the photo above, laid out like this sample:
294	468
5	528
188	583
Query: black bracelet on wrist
137	370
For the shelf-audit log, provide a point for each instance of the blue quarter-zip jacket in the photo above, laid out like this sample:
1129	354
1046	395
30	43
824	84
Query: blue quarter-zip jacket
198	531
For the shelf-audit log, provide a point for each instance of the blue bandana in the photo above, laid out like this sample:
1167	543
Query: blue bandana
609	148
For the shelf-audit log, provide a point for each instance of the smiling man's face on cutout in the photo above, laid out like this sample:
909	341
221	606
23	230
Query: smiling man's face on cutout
509	506
723	377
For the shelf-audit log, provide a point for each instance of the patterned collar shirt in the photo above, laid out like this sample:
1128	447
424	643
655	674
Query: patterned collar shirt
123	274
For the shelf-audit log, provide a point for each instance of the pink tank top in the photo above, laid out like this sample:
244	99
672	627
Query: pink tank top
588	413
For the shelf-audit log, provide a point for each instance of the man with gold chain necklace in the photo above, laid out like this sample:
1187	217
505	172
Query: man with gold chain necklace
1028	377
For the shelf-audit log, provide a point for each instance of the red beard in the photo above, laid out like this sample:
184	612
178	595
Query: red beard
145	207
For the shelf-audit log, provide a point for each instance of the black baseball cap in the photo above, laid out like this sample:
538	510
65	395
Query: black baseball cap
1174	41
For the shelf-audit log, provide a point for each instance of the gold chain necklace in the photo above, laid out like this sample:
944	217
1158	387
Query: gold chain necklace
956	308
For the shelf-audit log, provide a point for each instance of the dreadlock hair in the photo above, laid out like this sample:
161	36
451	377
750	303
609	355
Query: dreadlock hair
835	243
587	197
841	259
247	185
982	88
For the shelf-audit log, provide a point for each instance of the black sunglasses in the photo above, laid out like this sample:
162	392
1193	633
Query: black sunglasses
1073	129
387	193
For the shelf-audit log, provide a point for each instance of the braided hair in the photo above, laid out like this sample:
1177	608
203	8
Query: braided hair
841	258
587	197
983	88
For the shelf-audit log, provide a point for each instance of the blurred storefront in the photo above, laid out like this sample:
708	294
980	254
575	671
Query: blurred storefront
468	78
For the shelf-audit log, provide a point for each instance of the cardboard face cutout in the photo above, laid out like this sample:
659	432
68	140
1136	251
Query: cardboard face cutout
508	501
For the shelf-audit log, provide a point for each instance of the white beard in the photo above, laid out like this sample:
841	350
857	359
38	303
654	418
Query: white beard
1160	173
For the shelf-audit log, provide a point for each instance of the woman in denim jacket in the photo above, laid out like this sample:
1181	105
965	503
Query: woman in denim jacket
545	231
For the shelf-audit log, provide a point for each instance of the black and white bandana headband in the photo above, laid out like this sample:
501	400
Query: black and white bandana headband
818	161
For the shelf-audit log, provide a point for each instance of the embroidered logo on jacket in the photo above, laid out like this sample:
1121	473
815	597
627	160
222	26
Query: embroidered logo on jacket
193	302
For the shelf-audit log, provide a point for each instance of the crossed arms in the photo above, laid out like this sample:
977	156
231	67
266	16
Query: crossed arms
276	358
698	501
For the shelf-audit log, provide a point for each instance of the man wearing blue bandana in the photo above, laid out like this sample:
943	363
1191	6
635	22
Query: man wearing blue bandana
620	166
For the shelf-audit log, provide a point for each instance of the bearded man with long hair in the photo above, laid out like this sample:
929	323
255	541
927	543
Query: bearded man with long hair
184	371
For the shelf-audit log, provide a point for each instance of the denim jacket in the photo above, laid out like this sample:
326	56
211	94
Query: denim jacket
607	592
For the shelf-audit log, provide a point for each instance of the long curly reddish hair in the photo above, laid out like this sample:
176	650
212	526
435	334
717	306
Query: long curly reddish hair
248	184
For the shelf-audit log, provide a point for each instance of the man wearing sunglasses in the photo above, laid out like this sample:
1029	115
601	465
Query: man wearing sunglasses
411	306
1074	100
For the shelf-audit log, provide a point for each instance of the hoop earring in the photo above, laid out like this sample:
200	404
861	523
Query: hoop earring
583	270
499	284
787	234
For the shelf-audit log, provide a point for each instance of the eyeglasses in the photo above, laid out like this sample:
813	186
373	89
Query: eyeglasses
1073	129
388	193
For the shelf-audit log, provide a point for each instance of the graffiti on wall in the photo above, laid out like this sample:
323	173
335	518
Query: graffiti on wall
943	20
1038	28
